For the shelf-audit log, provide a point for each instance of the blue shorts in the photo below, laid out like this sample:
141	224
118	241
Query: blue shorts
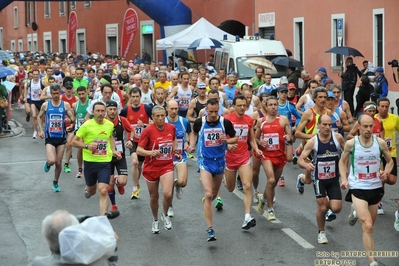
96	173
214	166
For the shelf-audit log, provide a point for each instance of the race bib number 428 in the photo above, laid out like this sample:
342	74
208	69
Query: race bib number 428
213	137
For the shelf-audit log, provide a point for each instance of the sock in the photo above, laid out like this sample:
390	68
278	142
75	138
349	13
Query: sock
55	182
111	194
247	216
262	199
134	188
270	209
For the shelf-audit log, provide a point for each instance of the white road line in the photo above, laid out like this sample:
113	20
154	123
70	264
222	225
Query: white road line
32	161
297	238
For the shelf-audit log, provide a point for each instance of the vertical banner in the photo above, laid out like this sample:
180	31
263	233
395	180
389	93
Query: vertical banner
130	26
73	26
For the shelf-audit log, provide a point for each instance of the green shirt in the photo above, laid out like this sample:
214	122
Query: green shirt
77	83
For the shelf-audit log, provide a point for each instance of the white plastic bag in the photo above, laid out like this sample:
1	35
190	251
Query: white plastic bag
87	242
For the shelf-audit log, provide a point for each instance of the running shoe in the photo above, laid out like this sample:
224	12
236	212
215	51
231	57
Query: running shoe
380	211
46	167
396	224
34	135
295	160
167	224
179	192
189	155
135	194
171	213
330	216
298	151
27	119
114	207
219	204
352	216
79	174
210	234
121	189
56	187
299	185
281	181
239	183
271	216
322	238
249	223
256	200
67	169
261	205
155	227
87	194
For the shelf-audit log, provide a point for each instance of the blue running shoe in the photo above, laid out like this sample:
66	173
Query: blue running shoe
56	187
330	216
299	185
210	235
46	167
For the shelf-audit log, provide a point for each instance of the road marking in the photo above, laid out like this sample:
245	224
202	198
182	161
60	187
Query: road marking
297	238
32	161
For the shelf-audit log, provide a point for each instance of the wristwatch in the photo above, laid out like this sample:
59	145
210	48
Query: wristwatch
86	146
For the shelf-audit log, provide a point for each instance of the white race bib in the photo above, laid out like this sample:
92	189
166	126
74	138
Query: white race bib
325	170
273	143
212	137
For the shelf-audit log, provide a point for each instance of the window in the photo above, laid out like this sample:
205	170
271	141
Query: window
13	46
15	17
87	3
62	41
73	5
62	8
35	45
111	32
299	39
337	39
231	68
378	37
217	59
20	45
29	42
81	41
266	24
1	38
47	9
47	42
34	11
27	13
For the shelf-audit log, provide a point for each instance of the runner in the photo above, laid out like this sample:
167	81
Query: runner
369	108
325	148
55	134
183	127
183	92
159	146
273	134
198	103
98	144
212	145
34	91
365	179
121	125
238	156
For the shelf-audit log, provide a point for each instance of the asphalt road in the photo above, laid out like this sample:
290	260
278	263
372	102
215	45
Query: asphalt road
26	198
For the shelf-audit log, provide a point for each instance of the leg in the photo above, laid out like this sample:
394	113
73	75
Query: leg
104	201
322	207
255	173
182	174
154	196
245	172
68	153
230	179
58	162
166	181
27	111
34	117
211	187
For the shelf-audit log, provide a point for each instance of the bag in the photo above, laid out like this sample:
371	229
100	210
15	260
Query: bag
4	103
87	242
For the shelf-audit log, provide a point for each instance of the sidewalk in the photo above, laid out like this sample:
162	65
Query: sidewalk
16	128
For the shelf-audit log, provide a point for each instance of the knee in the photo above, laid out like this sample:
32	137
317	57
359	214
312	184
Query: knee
271	182
103	191
58	162
368	227
323	208
154	197
336	209
122	181
209	196
51	161
246	186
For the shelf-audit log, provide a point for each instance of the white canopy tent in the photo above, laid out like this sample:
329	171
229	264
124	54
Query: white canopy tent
201	28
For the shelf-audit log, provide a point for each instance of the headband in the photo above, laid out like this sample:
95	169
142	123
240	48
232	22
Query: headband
370	106
103	81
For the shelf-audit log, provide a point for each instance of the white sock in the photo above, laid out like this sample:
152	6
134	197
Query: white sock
134	188
374	263
247	216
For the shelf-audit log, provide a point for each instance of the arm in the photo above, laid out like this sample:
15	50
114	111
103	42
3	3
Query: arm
42	112
340	139
252	140
384	87
344	121
113	149
389	165
173	93
354	132
303	161
347	110
299	104
43	95
288	139
190	111
305	119
343	163
193	140
382	133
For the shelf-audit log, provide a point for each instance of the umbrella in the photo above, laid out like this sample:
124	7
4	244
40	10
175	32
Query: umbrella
287	62
6	71
344	50
205	43
5	56
9	85
255	62
184	55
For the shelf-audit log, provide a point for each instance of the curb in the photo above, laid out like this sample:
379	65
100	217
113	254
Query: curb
17	129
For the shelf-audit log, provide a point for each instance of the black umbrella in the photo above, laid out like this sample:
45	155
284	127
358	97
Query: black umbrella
286	61
344	50
184	55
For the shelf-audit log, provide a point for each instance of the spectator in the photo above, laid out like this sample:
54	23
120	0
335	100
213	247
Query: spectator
349	80
363	95
146	58
322	72
292	76
381	85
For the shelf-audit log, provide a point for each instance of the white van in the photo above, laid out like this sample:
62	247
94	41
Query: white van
233	54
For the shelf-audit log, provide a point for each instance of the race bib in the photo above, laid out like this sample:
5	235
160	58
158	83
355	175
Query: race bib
137	131
166	151
80	121
101	147
273	143
389	143
367	169
325	170
241	132
56	123
180	146
36	94
118	146
212	137
183	104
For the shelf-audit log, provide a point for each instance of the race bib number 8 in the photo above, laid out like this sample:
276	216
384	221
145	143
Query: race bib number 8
272	141
101	147
56	123
241	132
212	137
325	170
367	169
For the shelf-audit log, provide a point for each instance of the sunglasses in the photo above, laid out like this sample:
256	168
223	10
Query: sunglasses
201	88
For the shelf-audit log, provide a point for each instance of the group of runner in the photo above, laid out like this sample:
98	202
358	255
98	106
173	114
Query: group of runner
234	128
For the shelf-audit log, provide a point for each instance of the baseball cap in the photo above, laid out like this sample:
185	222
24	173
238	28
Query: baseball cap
12	61
328	81
282	88
291	86
283	80
330	94
68	84
322	70
111	103
56	66
379	70
201	85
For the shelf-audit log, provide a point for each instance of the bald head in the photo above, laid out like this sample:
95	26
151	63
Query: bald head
324	119
365	119
172	104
